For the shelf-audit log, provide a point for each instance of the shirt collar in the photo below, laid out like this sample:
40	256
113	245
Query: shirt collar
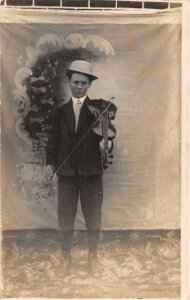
76	99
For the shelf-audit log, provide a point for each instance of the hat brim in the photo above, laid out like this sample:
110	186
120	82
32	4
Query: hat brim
91	76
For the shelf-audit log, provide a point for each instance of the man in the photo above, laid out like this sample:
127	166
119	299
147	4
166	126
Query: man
81	175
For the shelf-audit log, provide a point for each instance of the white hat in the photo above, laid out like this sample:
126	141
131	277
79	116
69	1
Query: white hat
82	66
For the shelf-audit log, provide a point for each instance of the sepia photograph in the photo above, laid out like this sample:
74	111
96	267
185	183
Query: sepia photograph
91	143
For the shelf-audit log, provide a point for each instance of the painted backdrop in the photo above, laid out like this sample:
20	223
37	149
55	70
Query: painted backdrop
138	64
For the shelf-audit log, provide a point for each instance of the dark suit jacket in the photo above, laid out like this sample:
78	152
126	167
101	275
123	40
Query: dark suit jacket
86	159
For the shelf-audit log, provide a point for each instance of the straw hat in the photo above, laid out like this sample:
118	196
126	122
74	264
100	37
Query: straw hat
81	66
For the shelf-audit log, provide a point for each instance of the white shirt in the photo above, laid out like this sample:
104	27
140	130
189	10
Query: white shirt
77	104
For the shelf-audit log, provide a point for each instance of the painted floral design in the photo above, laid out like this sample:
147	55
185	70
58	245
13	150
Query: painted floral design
129	268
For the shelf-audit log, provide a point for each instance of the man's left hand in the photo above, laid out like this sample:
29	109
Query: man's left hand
102	144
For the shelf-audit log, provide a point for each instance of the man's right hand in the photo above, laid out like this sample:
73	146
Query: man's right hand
49	172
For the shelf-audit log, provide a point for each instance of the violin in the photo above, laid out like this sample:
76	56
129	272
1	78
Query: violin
104	112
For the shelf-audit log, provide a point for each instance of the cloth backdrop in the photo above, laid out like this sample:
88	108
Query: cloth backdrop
137	60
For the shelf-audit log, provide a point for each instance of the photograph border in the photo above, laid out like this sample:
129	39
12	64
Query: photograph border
185	158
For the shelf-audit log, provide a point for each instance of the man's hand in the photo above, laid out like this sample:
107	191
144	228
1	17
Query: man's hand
49	172
102	143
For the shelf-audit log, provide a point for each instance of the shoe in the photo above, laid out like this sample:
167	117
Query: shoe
93	265
64	267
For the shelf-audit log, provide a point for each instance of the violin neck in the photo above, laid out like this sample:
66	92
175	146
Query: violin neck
105	129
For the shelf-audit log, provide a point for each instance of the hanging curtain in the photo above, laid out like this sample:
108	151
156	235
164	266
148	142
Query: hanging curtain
138	61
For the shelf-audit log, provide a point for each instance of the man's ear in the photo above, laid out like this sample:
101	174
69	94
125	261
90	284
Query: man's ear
67	79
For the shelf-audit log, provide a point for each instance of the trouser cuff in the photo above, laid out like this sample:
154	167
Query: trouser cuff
93	240
66	240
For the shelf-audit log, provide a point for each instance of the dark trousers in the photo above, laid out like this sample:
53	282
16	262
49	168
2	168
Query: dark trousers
89	190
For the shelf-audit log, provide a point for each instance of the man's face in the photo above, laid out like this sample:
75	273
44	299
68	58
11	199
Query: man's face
79	84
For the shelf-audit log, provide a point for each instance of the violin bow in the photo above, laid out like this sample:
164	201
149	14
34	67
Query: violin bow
105	137
61	164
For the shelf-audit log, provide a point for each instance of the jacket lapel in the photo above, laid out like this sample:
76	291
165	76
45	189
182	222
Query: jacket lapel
70	116
82	115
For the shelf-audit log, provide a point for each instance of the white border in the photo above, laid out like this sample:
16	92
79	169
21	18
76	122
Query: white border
185	182
185	178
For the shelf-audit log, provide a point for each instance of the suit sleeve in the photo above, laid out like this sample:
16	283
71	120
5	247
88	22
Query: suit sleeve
53	142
